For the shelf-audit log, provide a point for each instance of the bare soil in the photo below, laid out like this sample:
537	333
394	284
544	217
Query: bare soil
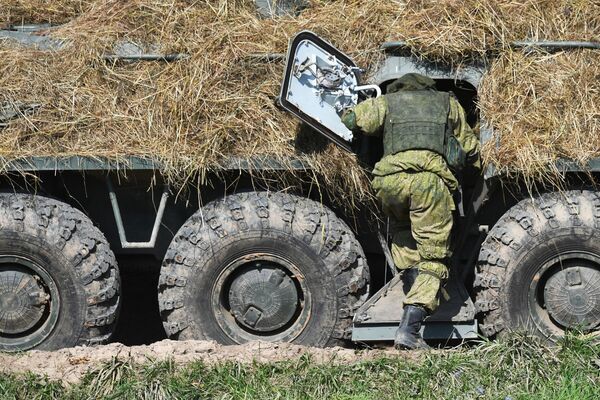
70	365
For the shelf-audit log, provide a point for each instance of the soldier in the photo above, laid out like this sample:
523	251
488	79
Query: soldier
425	135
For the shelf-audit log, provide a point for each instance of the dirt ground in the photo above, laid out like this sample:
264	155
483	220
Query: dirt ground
69	365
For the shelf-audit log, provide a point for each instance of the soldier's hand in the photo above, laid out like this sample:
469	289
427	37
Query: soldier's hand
349	119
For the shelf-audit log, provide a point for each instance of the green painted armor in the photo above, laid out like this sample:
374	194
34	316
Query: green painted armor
418	120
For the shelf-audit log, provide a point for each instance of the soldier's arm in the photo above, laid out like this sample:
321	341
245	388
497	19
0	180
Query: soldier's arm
368	116
463	132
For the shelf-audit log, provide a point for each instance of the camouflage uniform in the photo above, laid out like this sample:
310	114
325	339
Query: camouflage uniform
415	188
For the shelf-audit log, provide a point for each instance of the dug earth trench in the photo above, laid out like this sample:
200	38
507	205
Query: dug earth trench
70	365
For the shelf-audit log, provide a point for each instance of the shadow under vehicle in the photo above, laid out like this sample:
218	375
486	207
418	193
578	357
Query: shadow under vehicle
239	262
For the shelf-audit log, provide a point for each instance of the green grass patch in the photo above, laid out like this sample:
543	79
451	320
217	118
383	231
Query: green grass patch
512	368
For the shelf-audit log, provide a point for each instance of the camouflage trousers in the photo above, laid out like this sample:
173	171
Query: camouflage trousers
420	208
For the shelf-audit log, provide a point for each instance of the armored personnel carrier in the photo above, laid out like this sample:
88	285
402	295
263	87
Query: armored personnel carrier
252	264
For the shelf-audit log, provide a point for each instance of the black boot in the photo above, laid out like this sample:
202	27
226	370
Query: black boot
409	276
408	335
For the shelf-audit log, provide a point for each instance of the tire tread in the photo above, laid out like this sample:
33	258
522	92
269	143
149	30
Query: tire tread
311	222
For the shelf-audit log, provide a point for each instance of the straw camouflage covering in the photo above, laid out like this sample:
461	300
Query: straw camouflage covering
41	11
552	111
191	115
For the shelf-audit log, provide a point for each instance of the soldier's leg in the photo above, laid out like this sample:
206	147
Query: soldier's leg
393	192
431	222
404	246
426	288
405	254
431	207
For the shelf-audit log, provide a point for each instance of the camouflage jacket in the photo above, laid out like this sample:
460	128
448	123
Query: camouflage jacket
370	118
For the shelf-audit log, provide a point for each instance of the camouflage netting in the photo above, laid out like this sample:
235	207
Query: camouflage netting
191	115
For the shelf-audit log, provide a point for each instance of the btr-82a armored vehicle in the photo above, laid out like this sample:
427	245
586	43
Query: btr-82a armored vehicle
251	264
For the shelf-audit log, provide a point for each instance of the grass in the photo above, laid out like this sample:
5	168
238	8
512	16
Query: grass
513	368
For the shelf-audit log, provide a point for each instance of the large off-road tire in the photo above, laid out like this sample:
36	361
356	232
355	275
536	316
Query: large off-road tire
539	268
263	266
59	282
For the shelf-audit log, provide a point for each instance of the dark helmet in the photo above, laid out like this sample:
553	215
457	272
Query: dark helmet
411	81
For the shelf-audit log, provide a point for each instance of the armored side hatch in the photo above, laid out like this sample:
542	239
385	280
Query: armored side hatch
319	83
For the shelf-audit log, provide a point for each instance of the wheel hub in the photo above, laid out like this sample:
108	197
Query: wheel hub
263	298
572	297
23	301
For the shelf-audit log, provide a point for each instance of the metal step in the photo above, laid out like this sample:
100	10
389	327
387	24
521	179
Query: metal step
378	318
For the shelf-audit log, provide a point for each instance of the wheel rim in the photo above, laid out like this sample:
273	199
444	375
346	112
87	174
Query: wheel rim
29	303
565	293
261	297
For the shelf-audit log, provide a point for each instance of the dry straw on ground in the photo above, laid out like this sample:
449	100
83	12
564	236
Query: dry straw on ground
193	114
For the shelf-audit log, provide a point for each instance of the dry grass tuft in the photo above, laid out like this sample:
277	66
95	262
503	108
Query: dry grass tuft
192	115
41	11
550	109
456	29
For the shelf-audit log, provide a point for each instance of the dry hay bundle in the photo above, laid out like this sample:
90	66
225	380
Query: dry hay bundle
189	115
453	29
16	12
543	107
192	114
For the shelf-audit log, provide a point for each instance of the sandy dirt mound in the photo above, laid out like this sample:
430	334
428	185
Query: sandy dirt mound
70	365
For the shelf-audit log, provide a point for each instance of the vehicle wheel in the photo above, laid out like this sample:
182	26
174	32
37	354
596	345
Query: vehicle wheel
263	266
539	268
59	282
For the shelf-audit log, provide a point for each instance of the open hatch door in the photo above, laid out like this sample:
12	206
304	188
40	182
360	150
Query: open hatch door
319	83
